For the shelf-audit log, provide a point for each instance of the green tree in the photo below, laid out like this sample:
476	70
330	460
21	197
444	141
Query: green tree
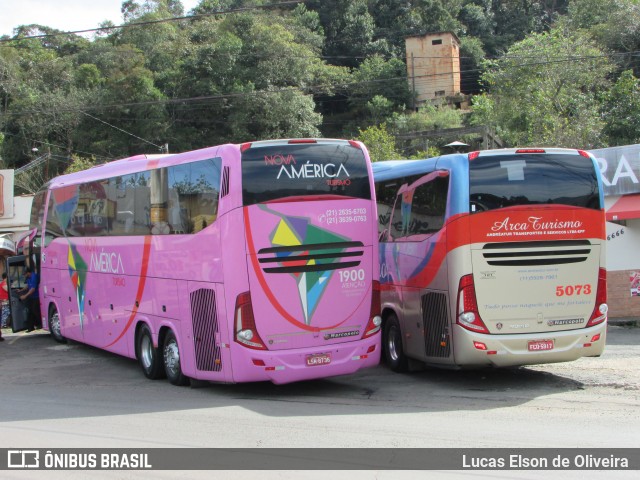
278	114
428	119
546	91
379	142
621	111
79	163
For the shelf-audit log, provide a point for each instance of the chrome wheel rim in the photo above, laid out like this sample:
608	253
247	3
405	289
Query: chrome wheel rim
392	344
54	324
172	357
146	351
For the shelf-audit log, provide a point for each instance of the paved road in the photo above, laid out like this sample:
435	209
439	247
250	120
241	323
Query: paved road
75	396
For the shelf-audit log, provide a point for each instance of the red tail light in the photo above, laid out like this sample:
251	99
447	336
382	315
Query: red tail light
599	314
246	332
302	140
468	316
530	150
473	155
375	320
583	153
355	144
244	147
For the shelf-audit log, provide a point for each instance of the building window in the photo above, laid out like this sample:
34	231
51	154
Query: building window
436	42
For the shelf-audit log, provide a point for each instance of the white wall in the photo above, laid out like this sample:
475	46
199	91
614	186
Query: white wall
623	246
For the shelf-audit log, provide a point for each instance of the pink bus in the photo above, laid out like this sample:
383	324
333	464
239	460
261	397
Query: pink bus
233	263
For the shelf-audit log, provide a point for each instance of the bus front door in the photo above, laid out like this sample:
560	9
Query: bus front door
16	281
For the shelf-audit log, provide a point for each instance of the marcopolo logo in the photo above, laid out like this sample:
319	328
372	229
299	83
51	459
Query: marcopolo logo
23	459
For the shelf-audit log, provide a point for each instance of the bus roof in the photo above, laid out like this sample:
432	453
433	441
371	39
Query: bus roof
136	163
390	169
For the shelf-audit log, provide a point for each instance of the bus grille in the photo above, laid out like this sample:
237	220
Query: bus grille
316	257
436	320
205	326
536	253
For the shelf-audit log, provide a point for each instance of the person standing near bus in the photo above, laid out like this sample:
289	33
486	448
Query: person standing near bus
4	301
29	295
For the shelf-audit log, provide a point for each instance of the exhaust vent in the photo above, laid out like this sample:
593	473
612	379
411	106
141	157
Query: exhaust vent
204	317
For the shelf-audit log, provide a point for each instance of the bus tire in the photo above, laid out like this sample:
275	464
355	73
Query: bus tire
54	326
171	358
392	345
149	357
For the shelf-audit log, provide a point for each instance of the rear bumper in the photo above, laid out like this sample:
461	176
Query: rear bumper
512	350
286	366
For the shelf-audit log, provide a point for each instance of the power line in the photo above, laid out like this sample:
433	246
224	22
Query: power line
123	131
313	89
164	20
40	142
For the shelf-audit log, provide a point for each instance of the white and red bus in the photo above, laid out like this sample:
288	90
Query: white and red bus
493	258
233	263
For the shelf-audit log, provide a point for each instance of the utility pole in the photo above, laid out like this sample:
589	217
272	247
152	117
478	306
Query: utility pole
413	84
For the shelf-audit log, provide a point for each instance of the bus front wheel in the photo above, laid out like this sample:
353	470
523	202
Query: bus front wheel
171	355
392	345
149	356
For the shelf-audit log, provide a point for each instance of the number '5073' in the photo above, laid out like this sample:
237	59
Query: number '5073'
570	290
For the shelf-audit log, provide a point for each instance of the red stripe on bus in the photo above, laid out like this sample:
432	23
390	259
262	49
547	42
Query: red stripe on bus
141	284
271	297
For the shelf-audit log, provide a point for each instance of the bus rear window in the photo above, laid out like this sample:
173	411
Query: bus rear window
279	172
510	180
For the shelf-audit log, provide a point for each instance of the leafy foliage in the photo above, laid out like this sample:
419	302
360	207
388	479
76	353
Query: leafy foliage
546	91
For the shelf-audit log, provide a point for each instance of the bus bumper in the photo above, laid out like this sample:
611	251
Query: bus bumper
286	366
476	349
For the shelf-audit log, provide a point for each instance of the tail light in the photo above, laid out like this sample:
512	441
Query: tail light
246	333
468	316
599	314
375	320
530	150
473	155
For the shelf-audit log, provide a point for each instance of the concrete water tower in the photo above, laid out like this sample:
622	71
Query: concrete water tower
433	67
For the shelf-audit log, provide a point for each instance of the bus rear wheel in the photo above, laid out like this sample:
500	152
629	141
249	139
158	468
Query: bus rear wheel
54	326
392	345
171	356
149	356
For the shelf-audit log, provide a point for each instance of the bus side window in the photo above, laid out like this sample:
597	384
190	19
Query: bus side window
420	211
385	197
429	207
194	189
53	229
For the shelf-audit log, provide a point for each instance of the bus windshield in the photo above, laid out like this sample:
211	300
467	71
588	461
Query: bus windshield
281	172
512	180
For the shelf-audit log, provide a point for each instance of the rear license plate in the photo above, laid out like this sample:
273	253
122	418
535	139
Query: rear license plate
318	359
540	345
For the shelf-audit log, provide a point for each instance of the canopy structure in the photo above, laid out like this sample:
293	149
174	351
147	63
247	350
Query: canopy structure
456	144
627	207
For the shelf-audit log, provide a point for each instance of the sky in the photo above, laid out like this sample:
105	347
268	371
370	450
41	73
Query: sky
68	15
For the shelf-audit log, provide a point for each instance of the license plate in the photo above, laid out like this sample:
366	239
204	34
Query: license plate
540	345
318	359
